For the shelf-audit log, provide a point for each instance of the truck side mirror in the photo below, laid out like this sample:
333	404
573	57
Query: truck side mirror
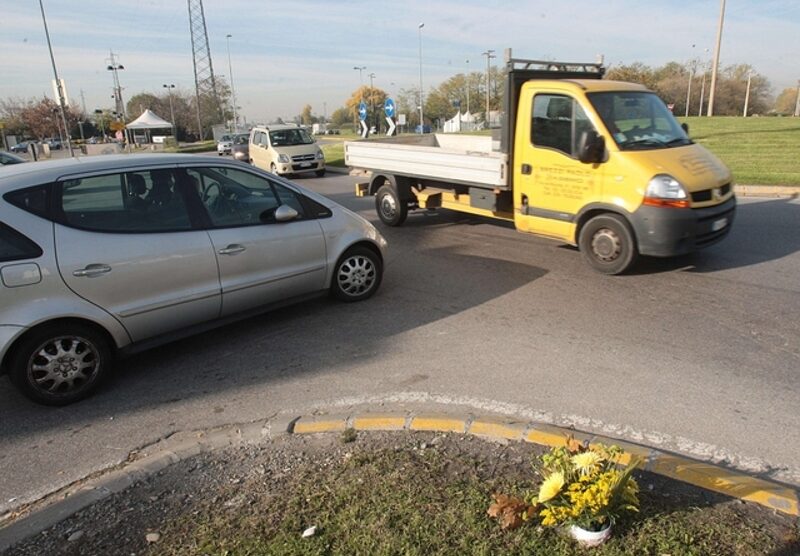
591	147
685	128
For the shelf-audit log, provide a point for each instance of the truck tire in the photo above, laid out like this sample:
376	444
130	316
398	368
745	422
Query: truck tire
58	364
390	208
608	244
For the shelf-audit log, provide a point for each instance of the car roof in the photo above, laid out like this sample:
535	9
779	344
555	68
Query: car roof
46	171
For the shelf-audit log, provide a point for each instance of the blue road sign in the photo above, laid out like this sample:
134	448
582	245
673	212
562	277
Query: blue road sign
389	108
362	110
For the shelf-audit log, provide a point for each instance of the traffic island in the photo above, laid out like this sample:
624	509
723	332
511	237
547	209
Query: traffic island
393	484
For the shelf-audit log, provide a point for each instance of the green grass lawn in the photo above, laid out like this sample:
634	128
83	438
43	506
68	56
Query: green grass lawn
759	151
334	153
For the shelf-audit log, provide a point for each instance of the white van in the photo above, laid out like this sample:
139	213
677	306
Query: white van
285	149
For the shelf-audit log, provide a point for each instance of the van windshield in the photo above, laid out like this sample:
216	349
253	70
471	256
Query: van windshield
638	121
288	137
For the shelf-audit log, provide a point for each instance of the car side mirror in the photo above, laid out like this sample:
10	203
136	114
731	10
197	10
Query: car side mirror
685	128
285	213
591	147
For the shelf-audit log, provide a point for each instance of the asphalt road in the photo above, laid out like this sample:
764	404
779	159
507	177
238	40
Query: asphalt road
699	355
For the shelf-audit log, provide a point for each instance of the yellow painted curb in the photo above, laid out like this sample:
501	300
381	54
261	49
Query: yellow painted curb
372	422
718	479
549	435
308	425
438	423
496	428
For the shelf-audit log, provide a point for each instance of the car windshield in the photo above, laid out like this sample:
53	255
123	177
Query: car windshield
638	120
224	138
288	137
241	139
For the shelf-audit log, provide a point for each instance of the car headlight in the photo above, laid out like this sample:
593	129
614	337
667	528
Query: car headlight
665	191
320	156
283	158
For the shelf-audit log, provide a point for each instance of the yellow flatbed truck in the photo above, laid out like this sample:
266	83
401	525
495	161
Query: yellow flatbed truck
595	163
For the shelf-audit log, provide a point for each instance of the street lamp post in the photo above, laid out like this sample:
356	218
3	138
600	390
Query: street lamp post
797	102
421	96
714	70
360	90
233	91
114	67
372	99
466	81
747	94
60	90
489	55
171	111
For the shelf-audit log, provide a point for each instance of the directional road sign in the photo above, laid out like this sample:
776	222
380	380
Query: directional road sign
362	110
389	108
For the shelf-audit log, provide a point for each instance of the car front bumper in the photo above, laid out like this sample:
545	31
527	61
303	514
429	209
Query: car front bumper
667	232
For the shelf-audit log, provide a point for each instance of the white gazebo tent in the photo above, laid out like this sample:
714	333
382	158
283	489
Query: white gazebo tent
147	121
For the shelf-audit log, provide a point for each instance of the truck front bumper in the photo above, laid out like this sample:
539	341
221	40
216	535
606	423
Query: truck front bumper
667	232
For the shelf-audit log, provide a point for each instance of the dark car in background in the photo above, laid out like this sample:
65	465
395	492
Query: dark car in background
20	147
240	147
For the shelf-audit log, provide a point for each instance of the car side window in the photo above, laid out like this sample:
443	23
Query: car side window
14	246
141	201
237	198
558	123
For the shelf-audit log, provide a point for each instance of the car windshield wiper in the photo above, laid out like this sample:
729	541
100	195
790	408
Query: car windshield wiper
646	142
679	141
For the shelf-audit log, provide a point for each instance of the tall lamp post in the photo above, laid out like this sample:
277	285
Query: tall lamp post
714	70
114	67
797	102
747	94
360	70
489	55
233	91
421	96
466	81
60	90
171	111
372	99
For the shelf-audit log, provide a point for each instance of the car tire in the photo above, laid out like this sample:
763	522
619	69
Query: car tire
320	173
608	244
43	362
357	275
390	208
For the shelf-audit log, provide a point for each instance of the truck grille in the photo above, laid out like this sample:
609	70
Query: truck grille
708	194
303	157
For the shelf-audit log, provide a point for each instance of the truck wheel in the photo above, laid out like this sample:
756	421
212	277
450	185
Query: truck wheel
607	243
390	208
60	364
357	274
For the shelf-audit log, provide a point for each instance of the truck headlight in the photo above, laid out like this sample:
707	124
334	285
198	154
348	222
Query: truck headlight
283	158
320	156
665	191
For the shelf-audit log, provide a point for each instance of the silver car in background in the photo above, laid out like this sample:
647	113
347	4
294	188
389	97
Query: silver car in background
103	256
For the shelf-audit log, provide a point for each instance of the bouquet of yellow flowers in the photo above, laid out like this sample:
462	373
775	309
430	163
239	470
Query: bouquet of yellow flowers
585	487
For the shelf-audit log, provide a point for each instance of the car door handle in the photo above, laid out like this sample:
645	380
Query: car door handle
92	270
232	249
526	169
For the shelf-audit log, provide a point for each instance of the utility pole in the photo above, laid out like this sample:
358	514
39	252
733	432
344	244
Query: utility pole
171	111
716	60
747	94
467	85
233	91
421	96
689	88
797	102
205	83
58	82
113	67
489	55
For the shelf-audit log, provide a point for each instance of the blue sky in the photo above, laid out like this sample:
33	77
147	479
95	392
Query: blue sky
287	54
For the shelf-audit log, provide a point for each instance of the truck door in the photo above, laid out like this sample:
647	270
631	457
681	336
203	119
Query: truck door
550	184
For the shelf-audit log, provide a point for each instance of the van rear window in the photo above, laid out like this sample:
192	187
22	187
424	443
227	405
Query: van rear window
14	246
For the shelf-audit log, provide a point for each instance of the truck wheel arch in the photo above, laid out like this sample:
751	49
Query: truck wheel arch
595	209
400	184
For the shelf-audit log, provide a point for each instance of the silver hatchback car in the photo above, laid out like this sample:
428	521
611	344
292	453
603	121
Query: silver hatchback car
106	256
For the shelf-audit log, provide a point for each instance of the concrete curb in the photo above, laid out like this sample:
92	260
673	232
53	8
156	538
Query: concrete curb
177	448
767	190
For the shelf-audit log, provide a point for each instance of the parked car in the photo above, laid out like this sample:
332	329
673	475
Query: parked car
8	158
54	144
224	145
240	149
104	256
285	149
20	147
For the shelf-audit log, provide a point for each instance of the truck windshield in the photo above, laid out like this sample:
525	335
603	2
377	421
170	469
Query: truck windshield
288	137
638	121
